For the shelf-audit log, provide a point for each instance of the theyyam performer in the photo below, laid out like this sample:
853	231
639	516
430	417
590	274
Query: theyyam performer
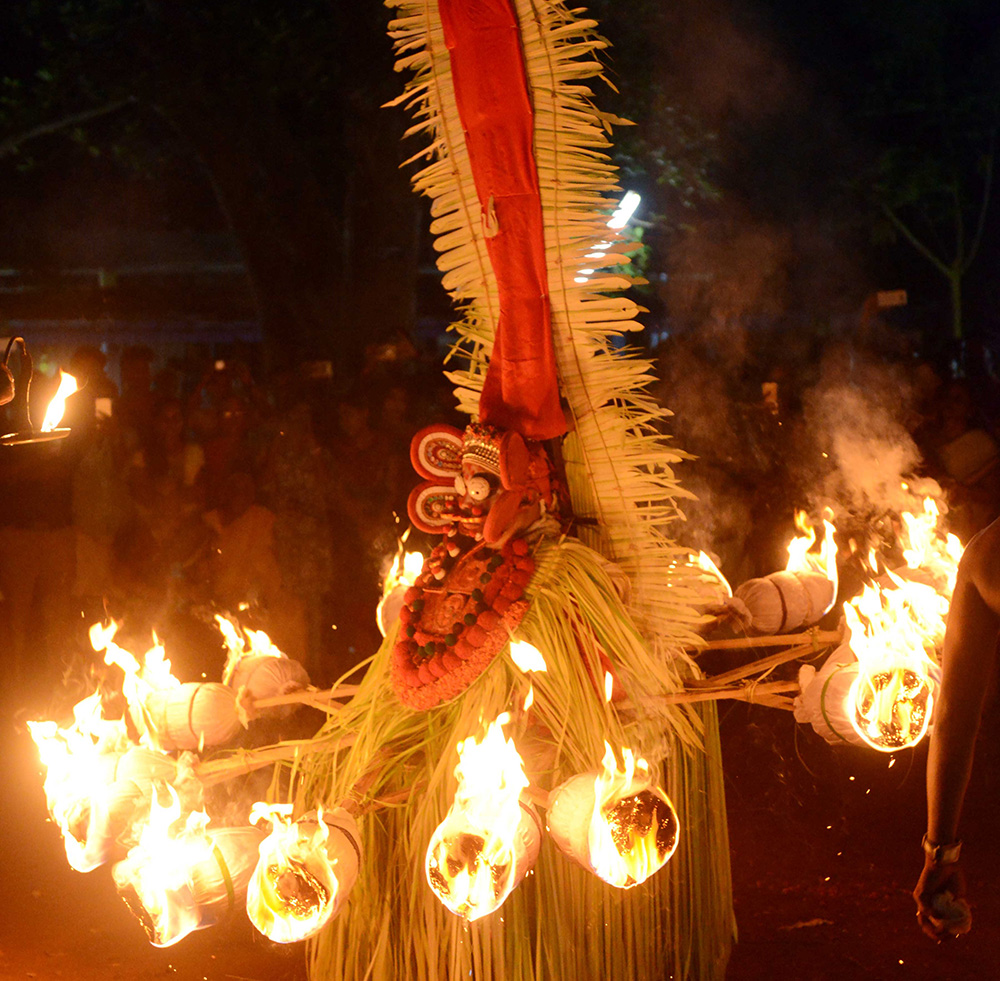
528	803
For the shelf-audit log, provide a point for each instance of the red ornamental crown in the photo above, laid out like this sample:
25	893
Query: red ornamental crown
437	454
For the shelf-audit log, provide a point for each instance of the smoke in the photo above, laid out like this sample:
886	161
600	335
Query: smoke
855	419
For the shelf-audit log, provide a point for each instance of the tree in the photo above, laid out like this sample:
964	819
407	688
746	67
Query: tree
932	114
279	103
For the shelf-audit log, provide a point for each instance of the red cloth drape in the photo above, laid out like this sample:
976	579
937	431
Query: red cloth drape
521	390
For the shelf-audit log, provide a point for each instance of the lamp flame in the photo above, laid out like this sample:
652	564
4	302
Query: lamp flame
54	413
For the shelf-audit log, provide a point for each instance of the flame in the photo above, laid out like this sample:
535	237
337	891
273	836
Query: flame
706	564
633	828
404	570
253	643
892	631
402	574
142	678
79	761
802	559
897	627
929	549
472	856
294	888
154	878
526	656
54	413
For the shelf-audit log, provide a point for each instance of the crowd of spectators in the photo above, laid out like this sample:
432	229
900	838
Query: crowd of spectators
181	494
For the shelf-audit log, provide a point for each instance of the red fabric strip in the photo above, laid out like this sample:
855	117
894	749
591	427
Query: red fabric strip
521	390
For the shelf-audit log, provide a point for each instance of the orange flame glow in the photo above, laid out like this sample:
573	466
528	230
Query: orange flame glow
801	558
79	765
488	840
155	877
292	891
707	565
897	626
54	413
402	574
142	677
633	826
253	643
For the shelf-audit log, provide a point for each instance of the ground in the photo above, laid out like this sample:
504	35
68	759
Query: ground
823	866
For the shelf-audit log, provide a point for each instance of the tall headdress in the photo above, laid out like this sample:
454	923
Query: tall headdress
521	188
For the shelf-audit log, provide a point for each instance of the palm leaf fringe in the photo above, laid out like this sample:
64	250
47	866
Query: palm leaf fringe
561	922
620	469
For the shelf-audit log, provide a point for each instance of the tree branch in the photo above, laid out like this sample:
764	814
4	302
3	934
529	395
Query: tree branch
984	205
13	143
904	230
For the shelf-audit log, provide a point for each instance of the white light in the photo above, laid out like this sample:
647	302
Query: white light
625	210
595	255
581	279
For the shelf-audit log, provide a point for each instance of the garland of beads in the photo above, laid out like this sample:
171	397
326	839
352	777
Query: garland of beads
421	658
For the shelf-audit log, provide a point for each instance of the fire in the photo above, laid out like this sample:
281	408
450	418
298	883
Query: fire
79	762
897	629
929	549
893	633
526	656
155	877
489	840
801	558
402	574
54	413
295	888
253	643
633	825
142	678
706	564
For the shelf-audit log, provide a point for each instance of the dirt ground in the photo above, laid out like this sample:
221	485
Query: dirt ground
825	848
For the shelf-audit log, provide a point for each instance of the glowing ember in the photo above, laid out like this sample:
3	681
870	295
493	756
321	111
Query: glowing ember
305	871
526	656
489	840
615	823
54	413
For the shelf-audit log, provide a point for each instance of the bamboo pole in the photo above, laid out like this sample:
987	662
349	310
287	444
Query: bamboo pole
748	693
754	667
246	761
815	638
310	696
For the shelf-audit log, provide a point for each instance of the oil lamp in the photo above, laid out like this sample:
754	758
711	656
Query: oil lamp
18	394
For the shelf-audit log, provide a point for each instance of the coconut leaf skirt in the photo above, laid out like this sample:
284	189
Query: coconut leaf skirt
562	921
